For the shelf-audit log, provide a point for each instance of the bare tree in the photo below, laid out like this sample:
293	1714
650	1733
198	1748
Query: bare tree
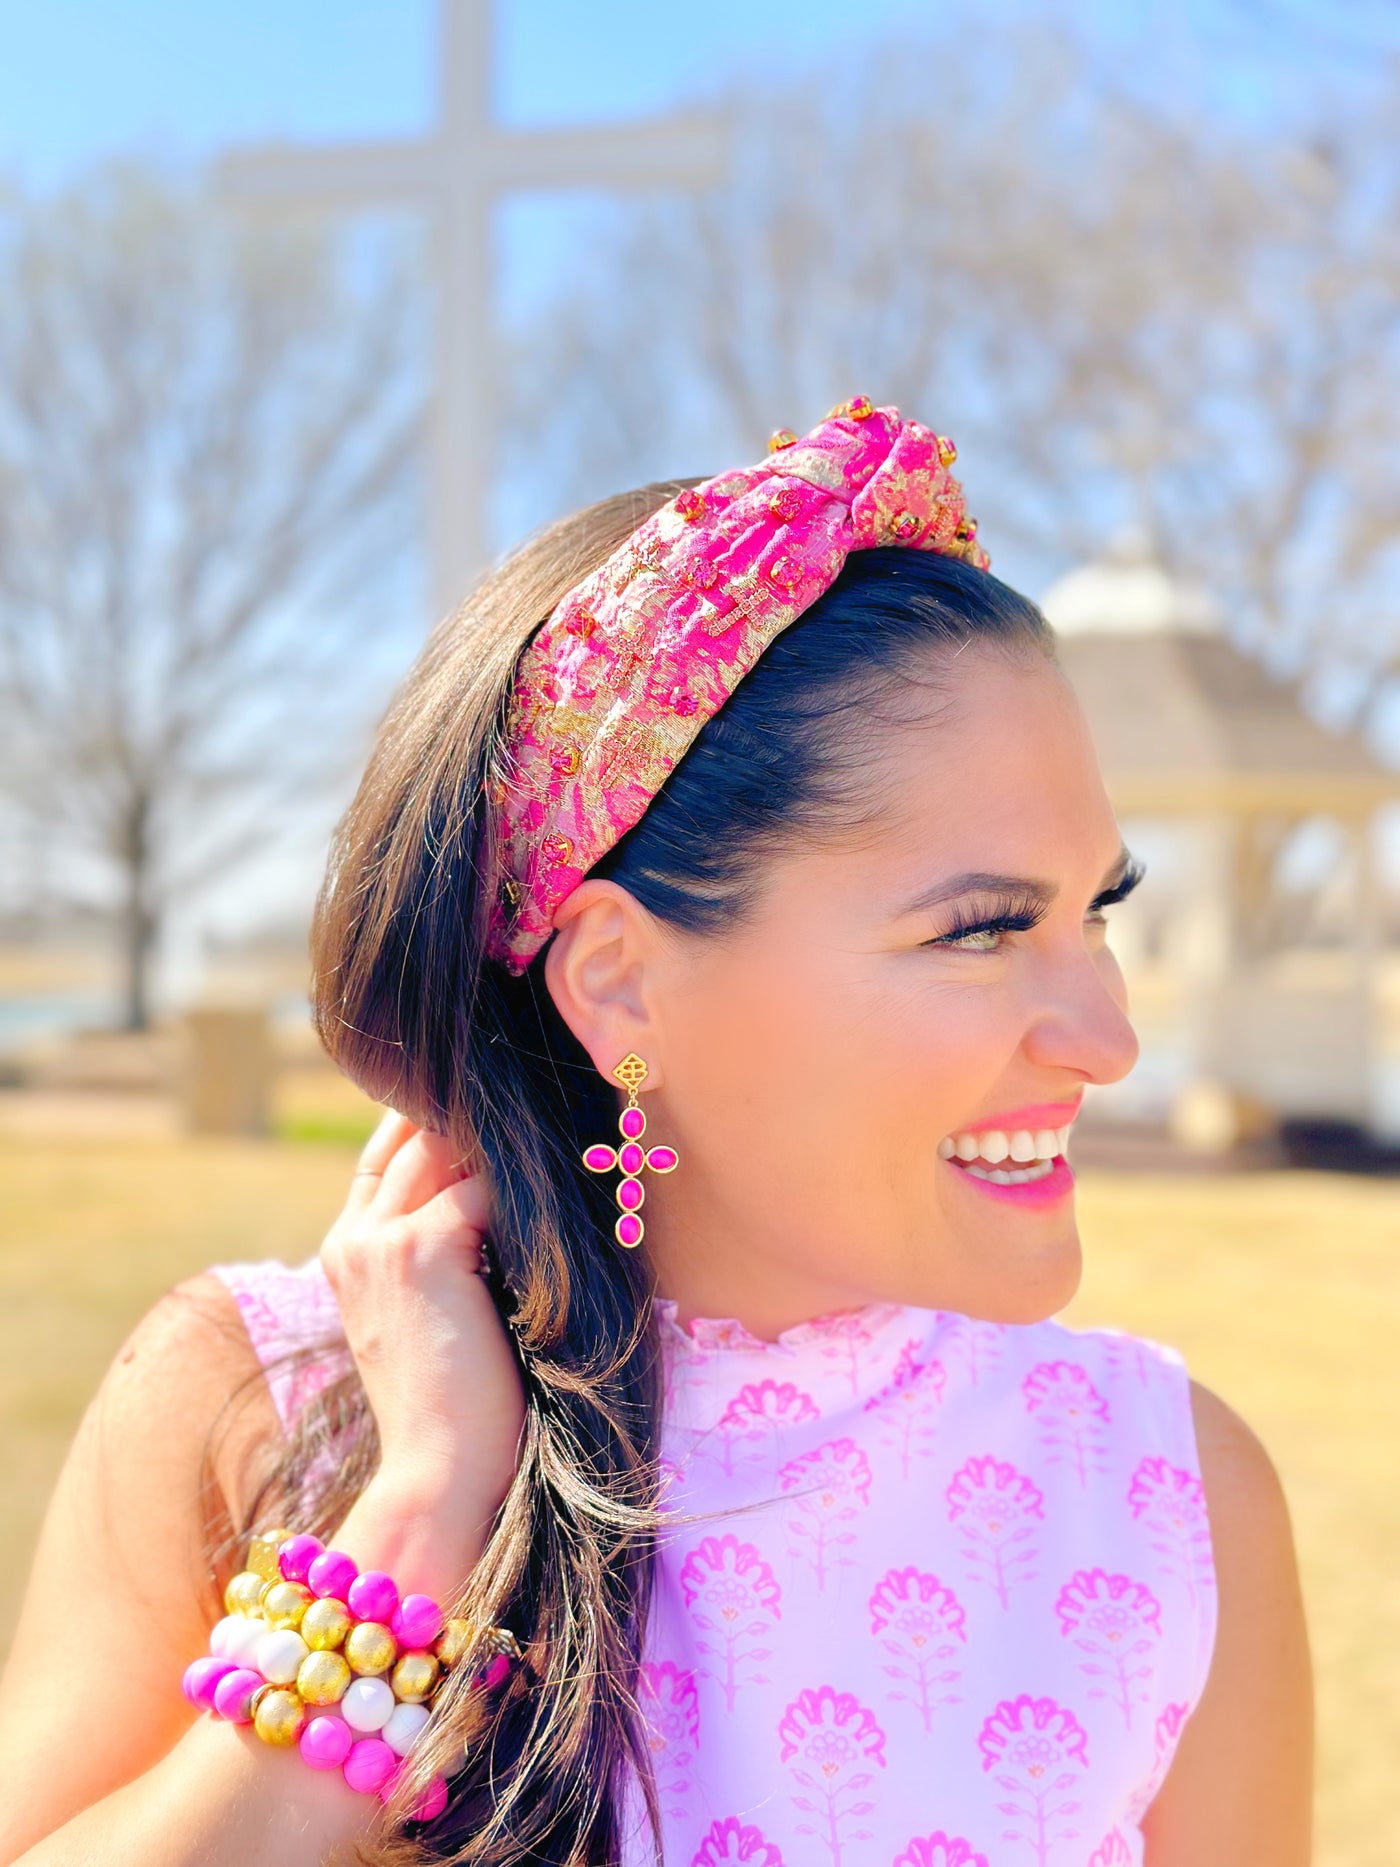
1122	308
207	444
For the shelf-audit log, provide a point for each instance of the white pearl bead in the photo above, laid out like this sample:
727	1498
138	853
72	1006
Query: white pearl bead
221	1632
279	1655
403	1726
367	1704
243	1641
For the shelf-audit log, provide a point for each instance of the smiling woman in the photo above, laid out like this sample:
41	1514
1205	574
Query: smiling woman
822	1540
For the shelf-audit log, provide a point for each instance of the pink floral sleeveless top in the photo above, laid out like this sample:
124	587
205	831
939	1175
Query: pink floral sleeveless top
968	1617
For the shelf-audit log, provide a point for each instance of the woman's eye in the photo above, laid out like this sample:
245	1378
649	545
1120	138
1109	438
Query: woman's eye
975	940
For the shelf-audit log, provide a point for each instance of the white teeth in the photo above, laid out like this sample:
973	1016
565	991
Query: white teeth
1014	1176
995	1145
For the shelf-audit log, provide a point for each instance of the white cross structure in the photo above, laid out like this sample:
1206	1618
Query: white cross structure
456	174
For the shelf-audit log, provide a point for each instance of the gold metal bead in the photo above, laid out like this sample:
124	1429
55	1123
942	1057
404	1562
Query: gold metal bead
781	437
279	1717
415	1676
371	1647
947	453
284	1603
323	1677
325	1624
262	1553
453	1641
244	1592
859	407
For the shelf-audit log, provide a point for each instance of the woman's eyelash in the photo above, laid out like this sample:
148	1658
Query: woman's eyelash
1121	889
1019	913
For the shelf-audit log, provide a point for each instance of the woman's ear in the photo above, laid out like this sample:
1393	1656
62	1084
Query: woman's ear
600	968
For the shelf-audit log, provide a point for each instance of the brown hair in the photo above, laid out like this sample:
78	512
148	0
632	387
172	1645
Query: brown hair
406	1004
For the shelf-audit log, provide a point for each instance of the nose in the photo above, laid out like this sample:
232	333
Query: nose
1082	1023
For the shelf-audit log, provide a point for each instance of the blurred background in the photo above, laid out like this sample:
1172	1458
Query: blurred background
307	313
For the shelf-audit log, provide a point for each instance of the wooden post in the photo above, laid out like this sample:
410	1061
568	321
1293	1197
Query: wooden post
224	1078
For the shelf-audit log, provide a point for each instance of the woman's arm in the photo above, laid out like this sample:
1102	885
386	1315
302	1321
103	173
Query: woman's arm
105	1760
1240	1788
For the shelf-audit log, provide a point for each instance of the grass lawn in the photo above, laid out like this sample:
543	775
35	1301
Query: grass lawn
1281	1290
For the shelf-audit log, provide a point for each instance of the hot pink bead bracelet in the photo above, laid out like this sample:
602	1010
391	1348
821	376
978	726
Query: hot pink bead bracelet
317	1653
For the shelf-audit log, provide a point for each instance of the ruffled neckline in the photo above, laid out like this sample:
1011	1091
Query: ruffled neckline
704	1335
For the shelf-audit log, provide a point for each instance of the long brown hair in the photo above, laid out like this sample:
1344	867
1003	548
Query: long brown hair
406	1004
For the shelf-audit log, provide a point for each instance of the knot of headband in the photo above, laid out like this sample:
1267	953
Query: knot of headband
632	661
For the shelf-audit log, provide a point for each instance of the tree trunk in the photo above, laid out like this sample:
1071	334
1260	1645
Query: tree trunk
139	921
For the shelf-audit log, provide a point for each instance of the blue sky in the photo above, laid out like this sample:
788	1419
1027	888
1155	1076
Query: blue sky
79	78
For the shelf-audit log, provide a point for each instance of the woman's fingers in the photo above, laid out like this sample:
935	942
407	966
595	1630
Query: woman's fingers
376	1155
422	1167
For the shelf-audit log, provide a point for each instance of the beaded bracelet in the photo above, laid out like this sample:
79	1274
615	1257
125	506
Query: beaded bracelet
303	1653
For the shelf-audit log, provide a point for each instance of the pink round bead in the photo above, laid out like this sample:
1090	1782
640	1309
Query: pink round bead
373	1596
233	1691
368	1763
662	1159
296	1556
325	1743
629	1229
631	1157
630	1195
417	1621
202	1676
331	1574
599	1159
632	1122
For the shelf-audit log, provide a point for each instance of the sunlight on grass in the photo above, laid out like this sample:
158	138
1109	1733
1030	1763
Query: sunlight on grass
1282	1291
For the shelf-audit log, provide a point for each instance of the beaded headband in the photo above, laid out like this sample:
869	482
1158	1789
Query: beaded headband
615	685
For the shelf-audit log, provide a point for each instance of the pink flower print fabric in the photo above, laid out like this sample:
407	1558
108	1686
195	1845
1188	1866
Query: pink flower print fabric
936	1592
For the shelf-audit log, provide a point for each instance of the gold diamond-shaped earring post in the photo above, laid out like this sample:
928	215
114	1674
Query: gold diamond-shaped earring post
631	1073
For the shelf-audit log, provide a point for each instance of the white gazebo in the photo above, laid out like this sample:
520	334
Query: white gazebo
1252	961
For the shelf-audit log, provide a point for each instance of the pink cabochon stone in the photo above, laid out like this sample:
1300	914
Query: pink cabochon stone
331	1573
296	1556
325	1743
632	1122
630	1195
494	1671
432	1801
628	1229
233	1691
417	1620
368	1763
631	1157
662	1159
202	1676
373	1596
600	1159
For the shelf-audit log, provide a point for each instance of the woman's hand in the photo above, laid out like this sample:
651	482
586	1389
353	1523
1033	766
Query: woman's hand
404	1259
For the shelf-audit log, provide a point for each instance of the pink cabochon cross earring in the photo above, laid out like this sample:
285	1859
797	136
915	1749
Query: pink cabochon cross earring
631	1156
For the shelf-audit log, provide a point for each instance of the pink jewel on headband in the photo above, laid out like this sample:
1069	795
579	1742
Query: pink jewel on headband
636	657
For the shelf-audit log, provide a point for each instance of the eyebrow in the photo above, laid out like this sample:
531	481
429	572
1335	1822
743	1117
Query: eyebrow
987	882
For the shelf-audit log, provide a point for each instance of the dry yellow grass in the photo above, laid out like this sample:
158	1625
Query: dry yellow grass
1281	1290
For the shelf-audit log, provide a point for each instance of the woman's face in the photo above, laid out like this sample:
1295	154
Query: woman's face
854	1075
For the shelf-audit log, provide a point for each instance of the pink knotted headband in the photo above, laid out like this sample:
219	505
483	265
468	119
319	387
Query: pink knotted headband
636	657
